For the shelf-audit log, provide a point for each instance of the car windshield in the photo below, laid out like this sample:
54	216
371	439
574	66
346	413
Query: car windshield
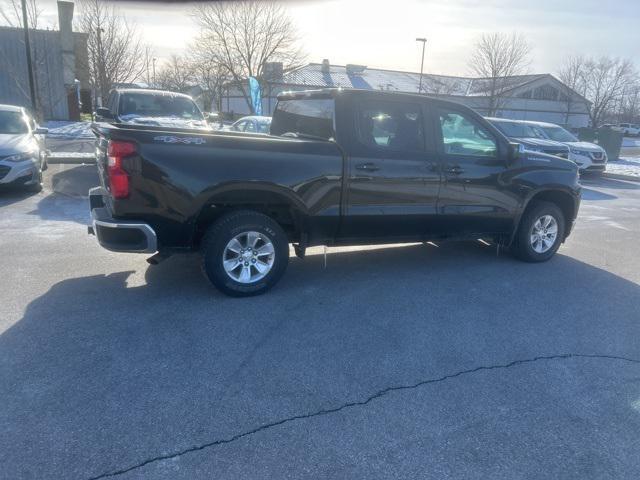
157	105
13	123
558	134
517	130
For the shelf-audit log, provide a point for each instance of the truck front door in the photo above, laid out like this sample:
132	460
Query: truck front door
392	173
474	197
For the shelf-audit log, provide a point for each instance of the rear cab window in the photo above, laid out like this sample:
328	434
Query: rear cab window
312	117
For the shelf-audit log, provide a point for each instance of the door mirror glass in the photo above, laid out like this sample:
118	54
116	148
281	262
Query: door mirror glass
515	151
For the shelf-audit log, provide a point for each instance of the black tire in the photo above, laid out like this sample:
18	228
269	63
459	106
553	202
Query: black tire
37	186
222	232
523	248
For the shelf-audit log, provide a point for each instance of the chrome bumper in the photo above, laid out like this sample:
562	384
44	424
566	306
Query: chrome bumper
119	235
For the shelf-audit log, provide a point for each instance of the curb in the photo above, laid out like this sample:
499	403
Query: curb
620	176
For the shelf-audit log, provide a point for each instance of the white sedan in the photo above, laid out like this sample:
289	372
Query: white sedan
22	150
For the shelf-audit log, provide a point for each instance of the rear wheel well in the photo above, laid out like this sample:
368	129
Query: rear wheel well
562	200
285	215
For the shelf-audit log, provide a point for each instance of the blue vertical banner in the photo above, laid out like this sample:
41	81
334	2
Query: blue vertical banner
256	95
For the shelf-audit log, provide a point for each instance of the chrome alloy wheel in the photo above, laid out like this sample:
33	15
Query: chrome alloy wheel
544	234
248	257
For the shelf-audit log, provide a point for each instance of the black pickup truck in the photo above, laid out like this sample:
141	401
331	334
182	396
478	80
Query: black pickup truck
340	167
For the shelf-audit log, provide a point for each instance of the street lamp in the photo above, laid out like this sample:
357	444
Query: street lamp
32	88
424	43
154	71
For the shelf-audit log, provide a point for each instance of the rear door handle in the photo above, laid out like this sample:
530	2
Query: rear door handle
455	170
369	167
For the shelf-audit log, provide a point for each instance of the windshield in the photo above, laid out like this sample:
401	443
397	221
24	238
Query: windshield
517	130
149	105
13	123
306	116
558	134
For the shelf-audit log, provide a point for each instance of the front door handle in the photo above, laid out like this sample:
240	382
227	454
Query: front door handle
455	170
369	167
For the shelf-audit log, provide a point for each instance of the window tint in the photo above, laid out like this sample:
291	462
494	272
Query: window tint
250	126
463	136
306	116
13	122
391	125
157	105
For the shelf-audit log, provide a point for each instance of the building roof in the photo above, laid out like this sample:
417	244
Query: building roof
347	76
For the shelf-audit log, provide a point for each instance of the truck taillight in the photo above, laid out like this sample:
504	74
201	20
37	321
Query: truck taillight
118	177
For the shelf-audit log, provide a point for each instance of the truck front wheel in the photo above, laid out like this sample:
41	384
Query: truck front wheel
244	253
540	233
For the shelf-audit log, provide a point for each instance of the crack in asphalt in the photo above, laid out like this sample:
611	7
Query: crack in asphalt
378	394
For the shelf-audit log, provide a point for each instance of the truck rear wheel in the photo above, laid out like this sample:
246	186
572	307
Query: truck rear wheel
540	233
244	253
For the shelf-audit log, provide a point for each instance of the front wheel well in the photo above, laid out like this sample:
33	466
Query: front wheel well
562	200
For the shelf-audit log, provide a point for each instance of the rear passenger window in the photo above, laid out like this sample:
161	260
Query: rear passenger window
390	125
464	136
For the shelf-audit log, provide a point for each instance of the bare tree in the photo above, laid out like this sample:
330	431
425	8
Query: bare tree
177	74
211	76
572	74
116	54
241	37
11	13
603	81
496	57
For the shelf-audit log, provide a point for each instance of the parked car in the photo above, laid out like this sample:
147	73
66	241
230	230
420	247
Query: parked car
23	155
138	106
629	129
521	132
340	167
252	124
589	157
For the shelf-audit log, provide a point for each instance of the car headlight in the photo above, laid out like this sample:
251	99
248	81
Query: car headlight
20	157
577	151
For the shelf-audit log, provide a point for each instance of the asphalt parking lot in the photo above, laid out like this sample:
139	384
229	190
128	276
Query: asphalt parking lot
410	361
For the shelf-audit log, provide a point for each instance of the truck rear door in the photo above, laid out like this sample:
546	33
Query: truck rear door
393	176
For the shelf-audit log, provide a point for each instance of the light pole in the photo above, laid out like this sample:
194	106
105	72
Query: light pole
102	76
32	85
424	43
154	71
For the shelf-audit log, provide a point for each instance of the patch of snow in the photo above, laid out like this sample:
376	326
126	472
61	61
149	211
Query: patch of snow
631	142
67	130
629	166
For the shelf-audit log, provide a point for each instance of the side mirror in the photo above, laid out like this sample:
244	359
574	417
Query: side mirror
515	151
41	131
103	112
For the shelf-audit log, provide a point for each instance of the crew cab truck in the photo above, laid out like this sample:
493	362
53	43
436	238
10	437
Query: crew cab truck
339	167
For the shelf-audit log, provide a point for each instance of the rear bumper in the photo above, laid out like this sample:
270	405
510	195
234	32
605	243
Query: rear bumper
118	235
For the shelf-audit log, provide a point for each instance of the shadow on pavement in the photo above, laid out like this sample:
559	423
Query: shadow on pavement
106	370
599	181
589	194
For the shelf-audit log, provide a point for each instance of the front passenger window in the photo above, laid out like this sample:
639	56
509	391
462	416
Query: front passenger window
463	136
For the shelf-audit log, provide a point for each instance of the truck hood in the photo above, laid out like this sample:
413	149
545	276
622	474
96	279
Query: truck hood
538	142
586	146
164	122
11	143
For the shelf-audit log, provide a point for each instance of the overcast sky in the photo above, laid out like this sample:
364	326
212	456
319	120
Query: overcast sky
382	33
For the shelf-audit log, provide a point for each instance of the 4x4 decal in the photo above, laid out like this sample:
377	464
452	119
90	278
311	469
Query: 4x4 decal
187	140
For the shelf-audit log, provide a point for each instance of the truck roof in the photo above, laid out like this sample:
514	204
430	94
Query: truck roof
334	92
146	91
10	108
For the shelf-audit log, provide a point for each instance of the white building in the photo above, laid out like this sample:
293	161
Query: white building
540	97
